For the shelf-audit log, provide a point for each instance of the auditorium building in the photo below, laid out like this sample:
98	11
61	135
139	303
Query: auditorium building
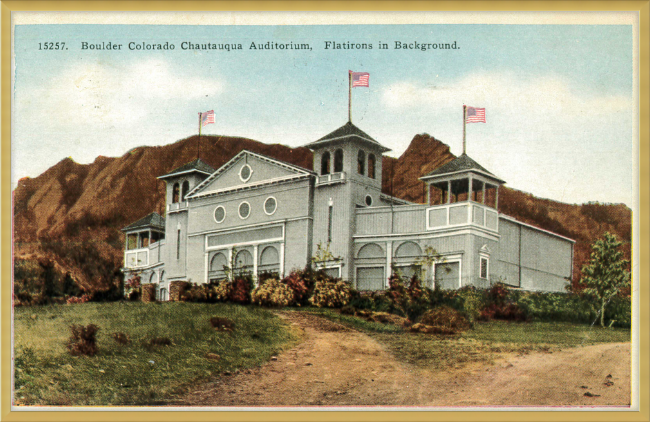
260	214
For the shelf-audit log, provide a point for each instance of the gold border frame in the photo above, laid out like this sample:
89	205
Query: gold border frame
642	7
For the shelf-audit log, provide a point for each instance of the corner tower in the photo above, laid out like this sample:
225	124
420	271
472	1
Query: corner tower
180	182
348	164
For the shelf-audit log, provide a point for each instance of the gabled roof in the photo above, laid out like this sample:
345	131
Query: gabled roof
296	169
346	132
153	220
460	164
196	166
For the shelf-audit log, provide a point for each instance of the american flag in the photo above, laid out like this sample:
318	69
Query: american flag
207	117
475	115
360	78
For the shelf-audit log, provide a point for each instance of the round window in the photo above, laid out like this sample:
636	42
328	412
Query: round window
368	200
245	173
219	214
270	205
244	210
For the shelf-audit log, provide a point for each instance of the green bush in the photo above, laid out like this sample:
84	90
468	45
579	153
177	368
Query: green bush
273	293
408	297
330	294
199	293
221	292
573	307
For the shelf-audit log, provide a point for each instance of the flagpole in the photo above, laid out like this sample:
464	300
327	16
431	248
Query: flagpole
464	124
198	143
349	96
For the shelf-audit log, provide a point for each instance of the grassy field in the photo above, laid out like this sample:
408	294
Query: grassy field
136	373
484	343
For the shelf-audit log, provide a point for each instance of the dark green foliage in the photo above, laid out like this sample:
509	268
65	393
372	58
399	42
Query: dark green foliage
606	273
502	303
199	293
409	298
83	340
39	283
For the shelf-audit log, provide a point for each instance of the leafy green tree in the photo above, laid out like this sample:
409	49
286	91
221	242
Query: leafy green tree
605	275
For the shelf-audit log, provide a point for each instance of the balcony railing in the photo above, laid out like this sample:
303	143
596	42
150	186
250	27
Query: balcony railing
177	206
330	179
135	258
406	219
462	213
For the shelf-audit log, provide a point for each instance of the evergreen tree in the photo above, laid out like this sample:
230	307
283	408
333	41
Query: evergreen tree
605	274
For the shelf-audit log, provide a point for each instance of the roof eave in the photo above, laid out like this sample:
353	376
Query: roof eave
342	139
451	173
168	175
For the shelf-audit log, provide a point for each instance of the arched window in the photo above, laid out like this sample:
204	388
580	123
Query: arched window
371	166
176	193
325	163
153	278
371	250
218	262
361	162
243	261
185	191
338	161
408	249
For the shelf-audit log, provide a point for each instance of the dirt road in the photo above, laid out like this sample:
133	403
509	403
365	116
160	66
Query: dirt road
337	366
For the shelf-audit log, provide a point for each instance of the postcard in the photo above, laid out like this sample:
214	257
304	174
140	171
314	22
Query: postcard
325	210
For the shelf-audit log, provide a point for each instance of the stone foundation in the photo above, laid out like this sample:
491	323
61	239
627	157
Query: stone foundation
176	289
148	293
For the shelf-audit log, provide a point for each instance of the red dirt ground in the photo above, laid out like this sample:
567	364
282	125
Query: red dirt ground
337	366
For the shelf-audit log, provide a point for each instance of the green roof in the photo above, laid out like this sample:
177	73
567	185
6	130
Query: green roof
153	220
459	164
197	165
345	133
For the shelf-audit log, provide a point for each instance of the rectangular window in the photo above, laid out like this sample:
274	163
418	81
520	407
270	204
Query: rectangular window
178	244
131	241
484	267
329	225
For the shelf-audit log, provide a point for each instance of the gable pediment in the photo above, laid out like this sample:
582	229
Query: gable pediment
247	169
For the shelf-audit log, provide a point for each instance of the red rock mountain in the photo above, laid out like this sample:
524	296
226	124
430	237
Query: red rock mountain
71	214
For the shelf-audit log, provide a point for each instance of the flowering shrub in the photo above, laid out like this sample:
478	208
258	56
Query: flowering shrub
411	300
195	293
501	306
302	283
330	294
273	293
266	275
132	287
82	299
222	291
241	289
